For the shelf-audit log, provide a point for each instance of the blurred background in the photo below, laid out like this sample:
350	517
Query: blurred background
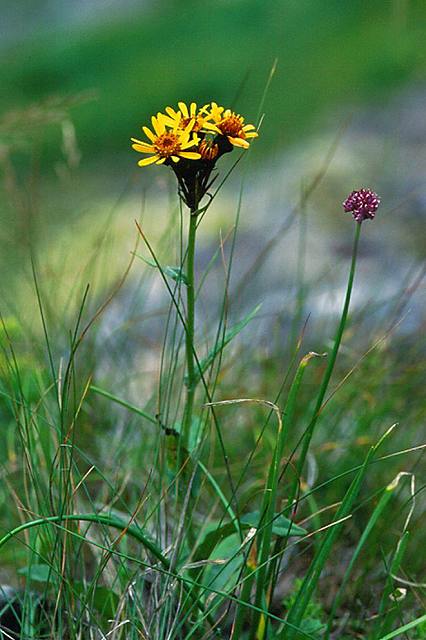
79	78
342	87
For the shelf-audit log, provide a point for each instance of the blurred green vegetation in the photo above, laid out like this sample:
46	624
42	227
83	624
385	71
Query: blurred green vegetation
328	53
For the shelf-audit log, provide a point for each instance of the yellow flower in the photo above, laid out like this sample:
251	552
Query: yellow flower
208	149
183	113
166	144
186	114
231	125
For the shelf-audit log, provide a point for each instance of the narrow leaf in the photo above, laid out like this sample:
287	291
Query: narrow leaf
123	403
175	273
37	572
404	628
206	362
313	574
215	536
281	526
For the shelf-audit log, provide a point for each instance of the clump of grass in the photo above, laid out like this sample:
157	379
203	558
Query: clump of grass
196	510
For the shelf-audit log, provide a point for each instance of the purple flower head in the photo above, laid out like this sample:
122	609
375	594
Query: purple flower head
362	203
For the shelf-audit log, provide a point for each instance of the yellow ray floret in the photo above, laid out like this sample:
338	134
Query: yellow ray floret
229	124
212	111
181	117
166	143
232	126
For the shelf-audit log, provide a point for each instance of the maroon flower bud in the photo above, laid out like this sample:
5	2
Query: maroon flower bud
363	204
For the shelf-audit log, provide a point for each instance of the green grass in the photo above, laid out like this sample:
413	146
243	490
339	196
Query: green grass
258	517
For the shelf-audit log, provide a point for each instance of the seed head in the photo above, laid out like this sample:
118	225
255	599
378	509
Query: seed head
362	203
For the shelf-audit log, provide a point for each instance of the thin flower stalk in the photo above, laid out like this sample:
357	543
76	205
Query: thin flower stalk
363	204
190	330
331	362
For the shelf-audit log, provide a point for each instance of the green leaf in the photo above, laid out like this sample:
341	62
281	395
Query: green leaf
195	433
311	628
101	598
229	335
404	628
175	273
224	576
37	572
123	403
281	527
216	534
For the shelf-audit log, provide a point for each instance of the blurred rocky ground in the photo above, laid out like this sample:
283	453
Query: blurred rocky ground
284	251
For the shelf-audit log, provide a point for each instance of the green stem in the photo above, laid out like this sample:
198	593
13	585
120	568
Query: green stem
189	336
332	360
241	613
191	382
109	521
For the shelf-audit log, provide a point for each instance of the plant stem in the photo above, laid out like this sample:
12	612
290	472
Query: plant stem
332	360
189	337
185	441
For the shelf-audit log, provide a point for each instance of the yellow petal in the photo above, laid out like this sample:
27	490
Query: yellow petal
183	136
161	160
171	112
193	109
143	148
177	122
149	134
211	127
189	126
173	123
162	120
146	161
184	109
158	126
239	142
249	127
175	158
252	134
191	155
190	143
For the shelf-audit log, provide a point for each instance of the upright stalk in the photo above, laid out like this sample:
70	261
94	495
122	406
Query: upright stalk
332	359
190	326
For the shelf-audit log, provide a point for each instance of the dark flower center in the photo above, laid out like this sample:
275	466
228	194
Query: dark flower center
167	145
232	126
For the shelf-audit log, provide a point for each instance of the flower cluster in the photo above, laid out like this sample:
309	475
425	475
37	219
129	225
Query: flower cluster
363	204
190	140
